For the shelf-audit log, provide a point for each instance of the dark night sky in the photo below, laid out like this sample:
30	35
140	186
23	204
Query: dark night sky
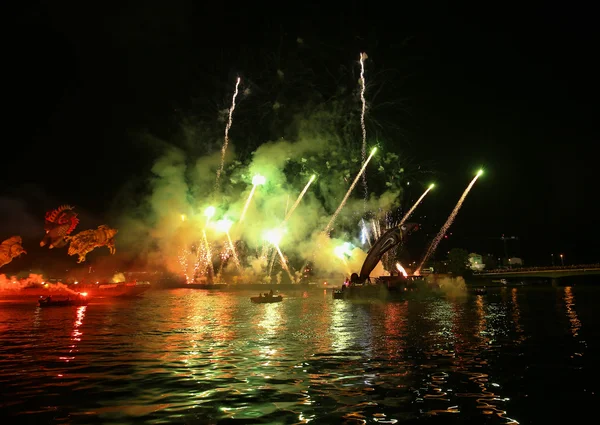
514	91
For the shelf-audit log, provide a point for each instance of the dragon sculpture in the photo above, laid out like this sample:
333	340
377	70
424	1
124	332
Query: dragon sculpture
84	242
11	248
58	225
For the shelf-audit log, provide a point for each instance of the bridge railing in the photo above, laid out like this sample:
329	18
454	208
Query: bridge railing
535	269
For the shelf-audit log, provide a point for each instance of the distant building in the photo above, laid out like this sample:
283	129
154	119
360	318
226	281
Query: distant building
515	261
476	262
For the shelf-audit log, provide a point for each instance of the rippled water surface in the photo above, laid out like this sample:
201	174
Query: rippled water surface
525	355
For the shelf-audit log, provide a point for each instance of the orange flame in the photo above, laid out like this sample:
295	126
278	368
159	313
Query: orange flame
401	269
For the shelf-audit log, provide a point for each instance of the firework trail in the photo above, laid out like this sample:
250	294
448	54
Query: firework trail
360	173
376	229
256	181
289	214
271	262
247	203
208	253
226	140
448	223
365	233
235	257
284	263
363	56
414	207
184	264
224	257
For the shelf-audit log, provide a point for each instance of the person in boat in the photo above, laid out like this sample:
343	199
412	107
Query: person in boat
271	293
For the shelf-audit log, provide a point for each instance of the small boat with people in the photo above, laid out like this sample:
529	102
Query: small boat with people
338	294
50	301
267	297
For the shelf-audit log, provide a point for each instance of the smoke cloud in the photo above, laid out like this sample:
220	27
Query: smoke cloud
13	284
453	287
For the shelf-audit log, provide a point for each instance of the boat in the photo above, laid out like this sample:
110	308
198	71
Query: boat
479	291
267	299
338	294
62	302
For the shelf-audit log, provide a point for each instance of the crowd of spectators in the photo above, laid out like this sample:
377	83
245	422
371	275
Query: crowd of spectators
524	269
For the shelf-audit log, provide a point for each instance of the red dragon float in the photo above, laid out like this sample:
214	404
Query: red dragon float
84	242
58	225
11	248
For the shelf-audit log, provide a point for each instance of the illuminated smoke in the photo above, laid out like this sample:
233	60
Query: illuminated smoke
363	56
448	223
13	284
360	173
118	277
226	140
343	251
416	204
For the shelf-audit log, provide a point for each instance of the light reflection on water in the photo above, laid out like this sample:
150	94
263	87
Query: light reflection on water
571	313
204	357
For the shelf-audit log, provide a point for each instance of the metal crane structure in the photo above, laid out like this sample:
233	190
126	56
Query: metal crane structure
504	239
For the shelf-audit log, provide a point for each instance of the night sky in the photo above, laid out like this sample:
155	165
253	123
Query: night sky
512	91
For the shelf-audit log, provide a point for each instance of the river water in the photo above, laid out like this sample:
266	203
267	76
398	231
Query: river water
514	355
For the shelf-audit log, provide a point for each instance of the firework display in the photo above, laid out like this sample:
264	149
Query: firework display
226	217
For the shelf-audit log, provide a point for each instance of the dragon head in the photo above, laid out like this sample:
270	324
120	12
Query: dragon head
64	216
58	224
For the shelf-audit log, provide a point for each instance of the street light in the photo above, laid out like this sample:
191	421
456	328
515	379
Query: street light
562	260
552	255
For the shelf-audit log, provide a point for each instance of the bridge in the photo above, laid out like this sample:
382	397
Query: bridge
543	272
